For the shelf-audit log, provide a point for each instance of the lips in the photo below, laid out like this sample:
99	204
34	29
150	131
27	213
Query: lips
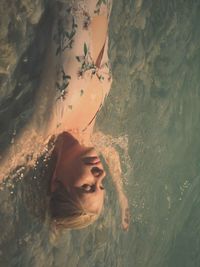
91	160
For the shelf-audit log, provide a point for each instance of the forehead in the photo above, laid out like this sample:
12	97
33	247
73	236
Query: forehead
92	202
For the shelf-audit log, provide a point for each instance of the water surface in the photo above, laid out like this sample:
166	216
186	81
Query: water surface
154	106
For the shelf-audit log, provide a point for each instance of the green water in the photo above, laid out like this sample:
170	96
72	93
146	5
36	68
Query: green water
155	104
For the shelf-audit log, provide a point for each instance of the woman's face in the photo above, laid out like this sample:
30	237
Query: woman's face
82	174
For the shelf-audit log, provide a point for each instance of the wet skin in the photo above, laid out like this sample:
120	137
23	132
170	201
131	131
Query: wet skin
81	172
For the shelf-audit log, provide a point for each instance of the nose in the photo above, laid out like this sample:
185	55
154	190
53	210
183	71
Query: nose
98	172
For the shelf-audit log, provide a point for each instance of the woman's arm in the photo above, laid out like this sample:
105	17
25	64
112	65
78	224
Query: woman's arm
112	158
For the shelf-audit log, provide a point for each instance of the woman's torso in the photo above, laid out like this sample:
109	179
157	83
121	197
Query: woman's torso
77	69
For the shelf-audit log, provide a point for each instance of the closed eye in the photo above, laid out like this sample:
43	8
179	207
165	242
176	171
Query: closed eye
90	188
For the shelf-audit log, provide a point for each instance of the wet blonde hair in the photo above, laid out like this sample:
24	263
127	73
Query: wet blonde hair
67	211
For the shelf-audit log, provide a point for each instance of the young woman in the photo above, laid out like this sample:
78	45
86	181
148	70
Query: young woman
76	80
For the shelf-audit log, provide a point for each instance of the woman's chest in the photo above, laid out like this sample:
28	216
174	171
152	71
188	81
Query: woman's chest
81	104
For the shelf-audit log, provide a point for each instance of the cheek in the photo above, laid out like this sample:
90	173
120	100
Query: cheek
76	167
80	174
103	196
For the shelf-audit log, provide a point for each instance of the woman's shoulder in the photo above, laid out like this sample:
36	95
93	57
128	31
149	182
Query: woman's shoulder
87	7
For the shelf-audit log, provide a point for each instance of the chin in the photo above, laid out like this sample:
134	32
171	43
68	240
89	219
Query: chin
91	152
